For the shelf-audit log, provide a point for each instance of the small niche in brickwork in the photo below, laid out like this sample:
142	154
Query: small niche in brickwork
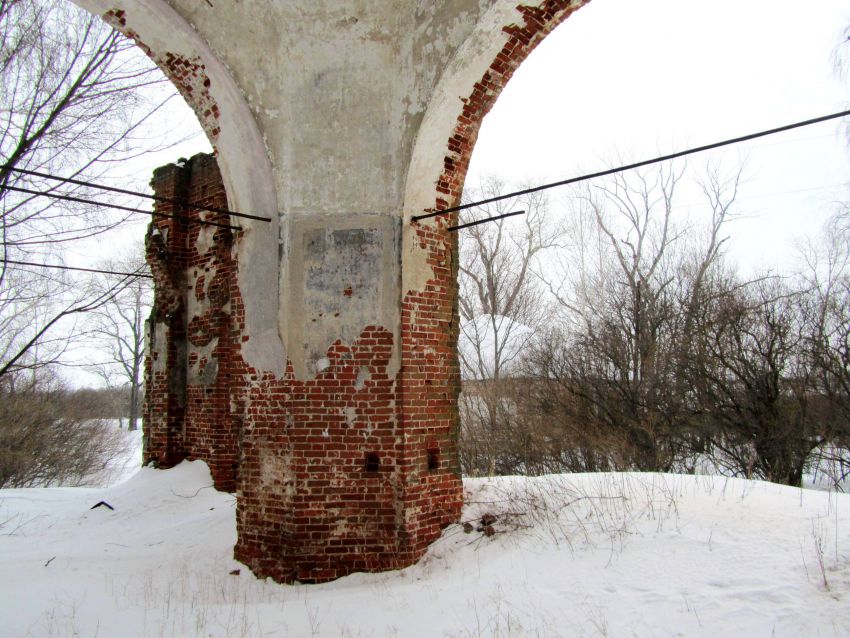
433	459
372	462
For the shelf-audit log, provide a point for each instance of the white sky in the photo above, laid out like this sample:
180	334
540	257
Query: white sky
640	79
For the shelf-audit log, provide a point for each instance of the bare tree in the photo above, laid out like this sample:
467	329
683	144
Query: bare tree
755	383
827	330
660	356
501	302
117	329
80	101
629	288
621	358
829	326
502	307
27	321
76	99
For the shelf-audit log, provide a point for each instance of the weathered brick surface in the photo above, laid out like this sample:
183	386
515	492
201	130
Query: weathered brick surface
189	386
188	75
165	398
355	469
352	470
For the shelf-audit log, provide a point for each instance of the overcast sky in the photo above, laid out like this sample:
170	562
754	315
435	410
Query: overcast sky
645	78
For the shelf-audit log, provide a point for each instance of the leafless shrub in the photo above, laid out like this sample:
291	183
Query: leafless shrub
659	356
42	443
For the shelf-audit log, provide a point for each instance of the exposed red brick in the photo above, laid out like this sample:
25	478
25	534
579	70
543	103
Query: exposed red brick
332	474
355	469
188	75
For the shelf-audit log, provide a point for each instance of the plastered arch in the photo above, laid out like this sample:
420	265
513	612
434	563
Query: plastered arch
210	90
502	39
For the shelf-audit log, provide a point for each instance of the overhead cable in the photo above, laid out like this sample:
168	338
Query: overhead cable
14	262
485	220
124	191
620	169
82	200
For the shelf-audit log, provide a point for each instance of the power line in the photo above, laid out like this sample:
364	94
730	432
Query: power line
82	200
76	268
620	169
124	191
485	220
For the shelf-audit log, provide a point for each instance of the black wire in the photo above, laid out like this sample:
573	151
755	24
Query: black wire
124	191
81	200
485	220
612	171
94	270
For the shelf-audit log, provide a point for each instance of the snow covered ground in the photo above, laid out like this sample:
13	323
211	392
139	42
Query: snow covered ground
572	555
126	460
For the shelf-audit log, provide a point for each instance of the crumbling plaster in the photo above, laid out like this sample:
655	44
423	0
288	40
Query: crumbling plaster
340	90
337	87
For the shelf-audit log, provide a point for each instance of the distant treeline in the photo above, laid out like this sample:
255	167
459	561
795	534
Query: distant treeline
92	403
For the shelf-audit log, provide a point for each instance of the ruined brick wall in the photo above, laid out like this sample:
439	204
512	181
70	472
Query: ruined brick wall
352	470
165	369
193	330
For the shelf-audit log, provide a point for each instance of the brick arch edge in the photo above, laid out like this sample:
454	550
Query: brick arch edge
430	373
479	84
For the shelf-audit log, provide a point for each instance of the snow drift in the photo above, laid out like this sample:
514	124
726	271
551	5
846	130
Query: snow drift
567	555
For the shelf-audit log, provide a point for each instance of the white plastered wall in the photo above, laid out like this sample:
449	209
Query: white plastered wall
330	108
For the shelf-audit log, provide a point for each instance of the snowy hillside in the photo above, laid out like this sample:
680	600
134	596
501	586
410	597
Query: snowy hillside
571	555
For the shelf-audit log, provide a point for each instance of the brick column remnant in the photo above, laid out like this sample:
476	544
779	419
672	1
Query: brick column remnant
353	469
345	457
165	364
192	348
